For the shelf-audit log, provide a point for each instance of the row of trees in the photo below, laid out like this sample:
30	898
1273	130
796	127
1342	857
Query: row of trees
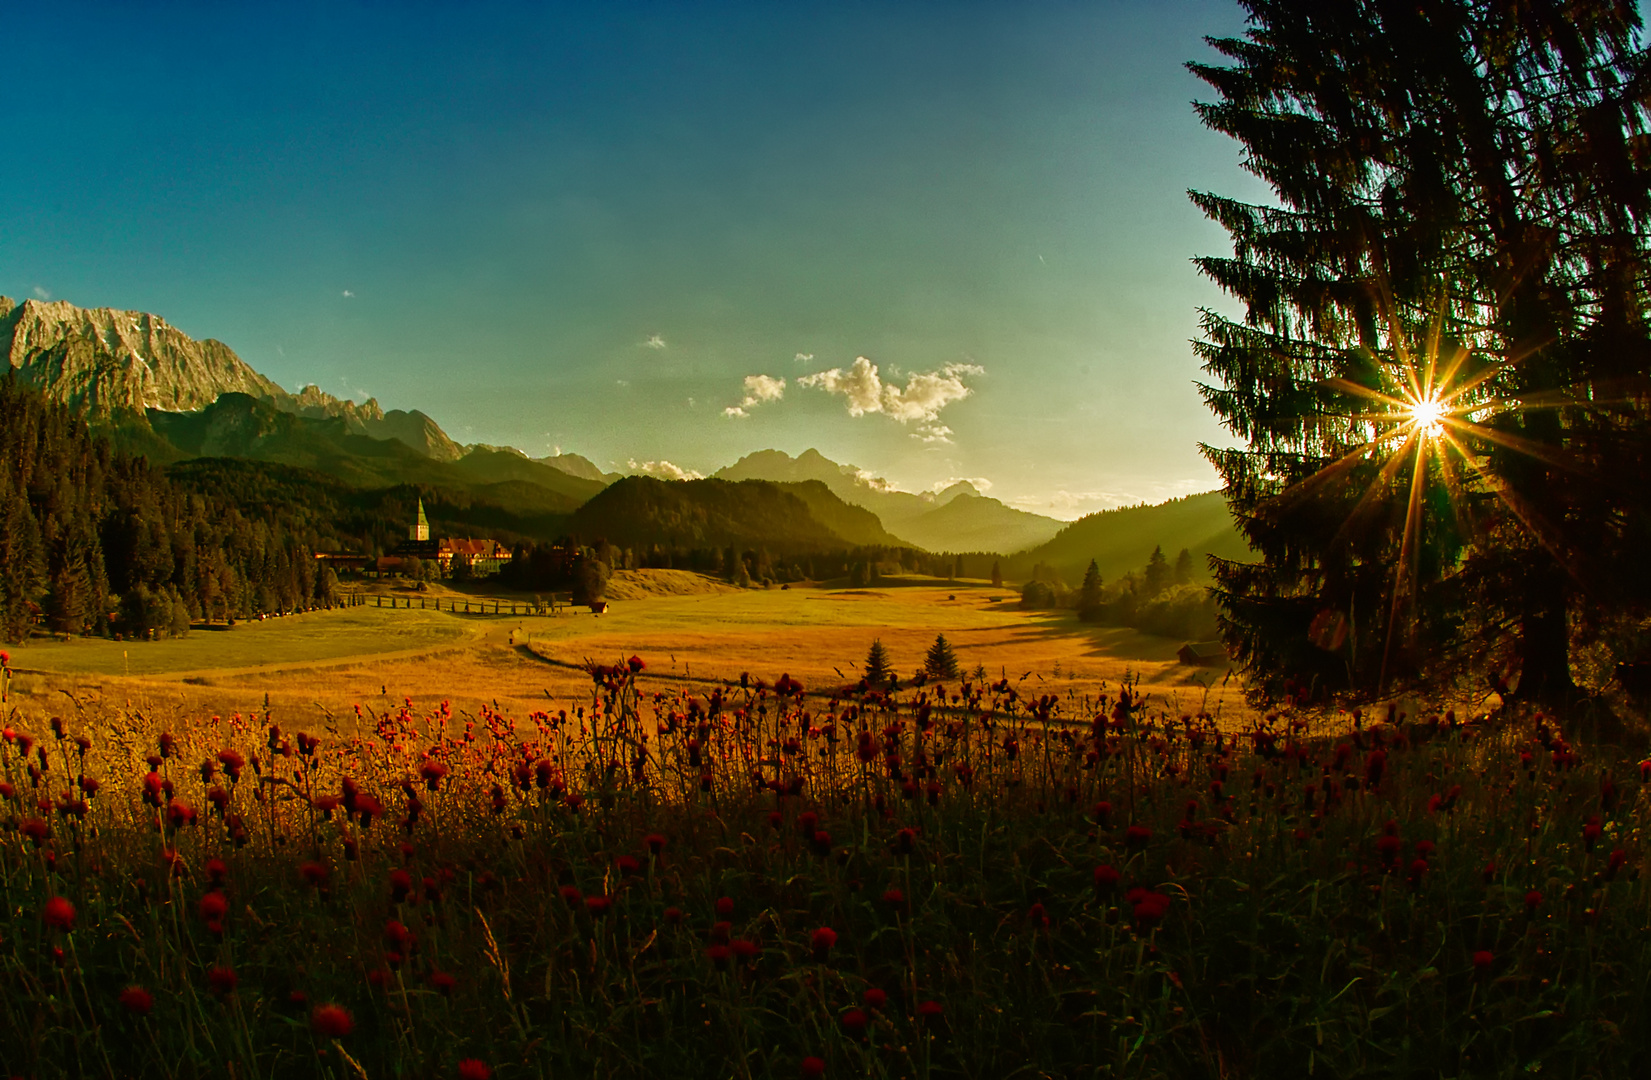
1159	598
93	541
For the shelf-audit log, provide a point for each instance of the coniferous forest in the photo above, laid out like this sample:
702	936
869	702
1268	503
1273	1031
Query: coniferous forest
95	541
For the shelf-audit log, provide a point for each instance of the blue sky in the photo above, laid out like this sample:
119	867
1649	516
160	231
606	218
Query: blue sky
585	227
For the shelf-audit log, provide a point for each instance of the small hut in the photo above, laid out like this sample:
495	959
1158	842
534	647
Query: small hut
1202	654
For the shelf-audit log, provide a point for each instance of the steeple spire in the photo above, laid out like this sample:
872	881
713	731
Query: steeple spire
421	527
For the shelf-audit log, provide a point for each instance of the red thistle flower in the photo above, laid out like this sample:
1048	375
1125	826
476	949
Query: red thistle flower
444	982
598	906
1136	836
655	842
812	1067
1483	961
718	955
474	1069
894	896
636	664
222	980
59	914
725	907
673	915
822	941
432	772
1618	859
1425	848
854	1022
1533	900
214	906
313	873
571	895
137	1001
1149	907
401	883
930	1011
331	1021
36	829
745	950
1106	878
875	999
628	865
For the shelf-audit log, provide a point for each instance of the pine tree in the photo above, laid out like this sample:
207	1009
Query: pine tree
1155	579
1183	568
997	574
941	661
1089	594
877	670
1460	222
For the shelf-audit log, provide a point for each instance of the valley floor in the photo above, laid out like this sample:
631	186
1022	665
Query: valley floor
691	631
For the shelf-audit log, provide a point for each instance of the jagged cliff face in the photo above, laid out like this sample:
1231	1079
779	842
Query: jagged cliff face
105	360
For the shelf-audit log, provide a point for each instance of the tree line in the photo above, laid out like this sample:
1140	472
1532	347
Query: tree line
1159	598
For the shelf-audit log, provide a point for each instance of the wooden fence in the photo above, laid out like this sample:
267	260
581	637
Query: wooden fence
551	605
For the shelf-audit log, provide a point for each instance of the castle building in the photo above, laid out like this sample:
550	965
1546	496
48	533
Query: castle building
484	556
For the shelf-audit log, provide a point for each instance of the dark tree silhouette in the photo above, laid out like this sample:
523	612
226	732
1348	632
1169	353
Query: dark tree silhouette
877	670
1444	341
1090	598
941	661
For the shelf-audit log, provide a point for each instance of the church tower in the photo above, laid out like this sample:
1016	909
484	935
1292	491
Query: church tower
421	527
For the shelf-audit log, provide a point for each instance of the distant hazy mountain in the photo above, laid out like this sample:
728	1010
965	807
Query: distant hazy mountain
973	522
958	518
575	465
1122	540
638	511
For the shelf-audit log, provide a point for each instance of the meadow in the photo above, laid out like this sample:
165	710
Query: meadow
662	876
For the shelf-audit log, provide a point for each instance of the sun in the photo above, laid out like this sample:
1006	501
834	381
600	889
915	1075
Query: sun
1427	416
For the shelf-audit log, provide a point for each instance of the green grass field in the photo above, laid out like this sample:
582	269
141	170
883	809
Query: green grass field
294	639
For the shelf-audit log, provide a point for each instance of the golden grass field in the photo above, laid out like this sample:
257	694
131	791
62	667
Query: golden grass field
691	631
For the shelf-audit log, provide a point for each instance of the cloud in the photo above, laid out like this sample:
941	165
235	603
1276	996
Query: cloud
348	294
804	357
654	342
919	402
664	470
758	389
42	293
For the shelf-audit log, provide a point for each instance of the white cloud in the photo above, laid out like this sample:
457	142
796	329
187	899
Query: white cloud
349	294
758	389
804	357
664	470
42	293
654	342
919	401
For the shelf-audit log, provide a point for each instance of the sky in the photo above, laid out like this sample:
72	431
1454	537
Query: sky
935	240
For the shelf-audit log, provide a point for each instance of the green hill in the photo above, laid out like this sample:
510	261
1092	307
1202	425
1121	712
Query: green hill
1121	540
240	426
640	511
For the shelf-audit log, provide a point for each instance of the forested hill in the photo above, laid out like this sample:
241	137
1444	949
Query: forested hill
241	426
92	539
1121	540
639	511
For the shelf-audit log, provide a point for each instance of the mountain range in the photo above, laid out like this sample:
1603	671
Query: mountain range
159	392
957	518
